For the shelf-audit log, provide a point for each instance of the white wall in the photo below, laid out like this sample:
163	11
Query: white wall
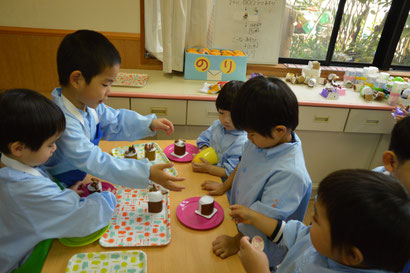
100	15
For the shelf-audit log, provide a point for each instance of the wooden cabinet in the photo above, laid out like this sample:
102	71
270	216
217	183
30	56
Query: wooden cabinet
322	118
118	102
174	110
201	113
369	121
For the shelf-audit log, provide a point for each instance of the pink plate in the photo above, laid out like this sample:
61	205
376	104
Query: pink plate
187	216
190	149
105	186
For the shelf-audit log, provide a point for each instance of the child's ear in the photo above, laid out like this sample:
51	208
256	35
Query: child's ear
75	78
17	148
278	131
390	161
353	257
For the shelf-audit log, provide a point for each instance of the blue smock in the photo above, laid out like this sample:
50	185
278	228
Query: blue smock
274	182
228	144
302	257
76	149
33	208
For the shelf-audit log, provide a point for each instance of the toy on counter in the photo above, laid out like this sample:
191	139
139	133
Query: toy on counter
397	88
402	112
212	88
405	97
330	93
218	52
253	75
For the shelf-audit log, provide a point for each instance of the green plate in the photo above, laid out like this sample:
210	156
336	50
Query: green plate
82	241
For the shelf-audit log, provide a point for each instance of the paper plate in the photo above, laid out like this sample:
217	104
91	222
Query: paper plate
189	148
81	241
187	216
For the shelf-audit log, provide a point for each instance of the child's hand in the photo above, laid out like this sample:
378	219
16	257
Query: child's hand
113	191
201	167
78	187
213	188
253	260
162	124
241	214
166	180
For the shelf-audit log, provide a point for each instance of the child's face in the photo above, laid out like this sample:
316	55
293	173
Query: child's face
320	231
39	157
261	141
97	91
225	119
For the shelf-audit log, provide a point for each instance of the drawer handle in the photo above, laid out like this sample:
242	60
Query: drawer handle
160	111
212	114
372	121
323	119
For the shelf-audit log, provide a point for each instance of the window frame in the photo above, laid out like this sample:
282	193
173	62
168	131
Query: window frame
390	36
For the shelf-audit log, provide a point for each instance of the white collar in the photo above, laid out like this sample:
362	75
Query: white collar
75	112
72	109
14	164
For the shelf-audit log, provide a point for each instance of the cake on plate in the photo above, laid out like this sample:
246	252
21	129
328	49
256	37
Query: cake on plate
179	147
150	151
94	186
131	152
154	200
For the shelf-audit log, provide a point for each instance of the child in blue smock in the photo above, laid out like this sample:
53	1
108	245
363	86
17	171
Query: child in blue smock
271	177
87	66
222	136
396	160
33	208
360	224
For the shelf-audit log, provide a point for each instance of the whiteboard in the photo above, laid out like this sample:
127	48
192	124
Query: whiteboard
253	26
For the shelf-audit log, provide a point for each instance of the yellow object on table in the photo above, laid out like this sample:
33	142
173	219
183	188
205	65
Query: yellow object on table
209	154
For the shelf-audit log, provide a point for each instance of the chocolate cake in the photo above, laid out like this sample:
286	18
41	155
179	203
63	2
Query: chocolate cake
150	151
154	200
206	205
131	152
179	147
94	186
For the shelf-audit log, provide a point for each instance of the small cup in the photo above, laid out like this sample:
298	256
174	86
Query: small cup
209	154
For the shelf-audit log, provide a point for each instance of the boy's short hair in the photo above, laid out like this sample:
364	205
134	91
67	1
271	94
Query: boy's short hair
399	141
370	211
28	117
264	103
227	94
87	51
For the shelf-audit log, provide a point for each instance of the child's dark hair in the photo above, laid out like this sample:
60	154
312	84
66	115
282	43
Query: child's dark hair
87	51
399	141
227	94
264	103
28	117
370	211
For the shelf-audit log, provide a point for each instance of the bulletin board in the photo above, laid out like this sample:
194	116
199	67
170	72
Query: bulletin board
253	26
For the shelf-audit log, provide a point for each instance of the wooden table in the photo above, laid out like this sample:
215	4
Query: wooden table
189	250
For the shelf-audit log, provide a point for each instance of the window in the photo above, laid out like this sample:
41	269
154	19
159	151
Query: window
347	32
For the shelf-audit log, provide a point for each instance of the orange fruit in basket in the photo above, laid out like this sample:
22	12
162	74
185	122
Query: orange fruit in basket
192	50
215	53
203	51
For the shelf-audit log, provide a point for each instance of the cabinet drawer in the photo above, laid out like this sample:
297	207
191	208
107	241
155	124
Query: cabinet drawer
174	110
369	121
201	113
322	118
118	103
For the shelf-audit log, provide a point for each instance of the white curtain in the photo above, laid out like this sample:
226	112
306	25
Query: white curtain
173	25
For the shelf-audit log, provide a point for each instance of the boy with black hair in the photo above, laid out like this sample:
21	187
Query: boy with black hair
87	66
396	159
33	209
271	177
222	136
360	224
